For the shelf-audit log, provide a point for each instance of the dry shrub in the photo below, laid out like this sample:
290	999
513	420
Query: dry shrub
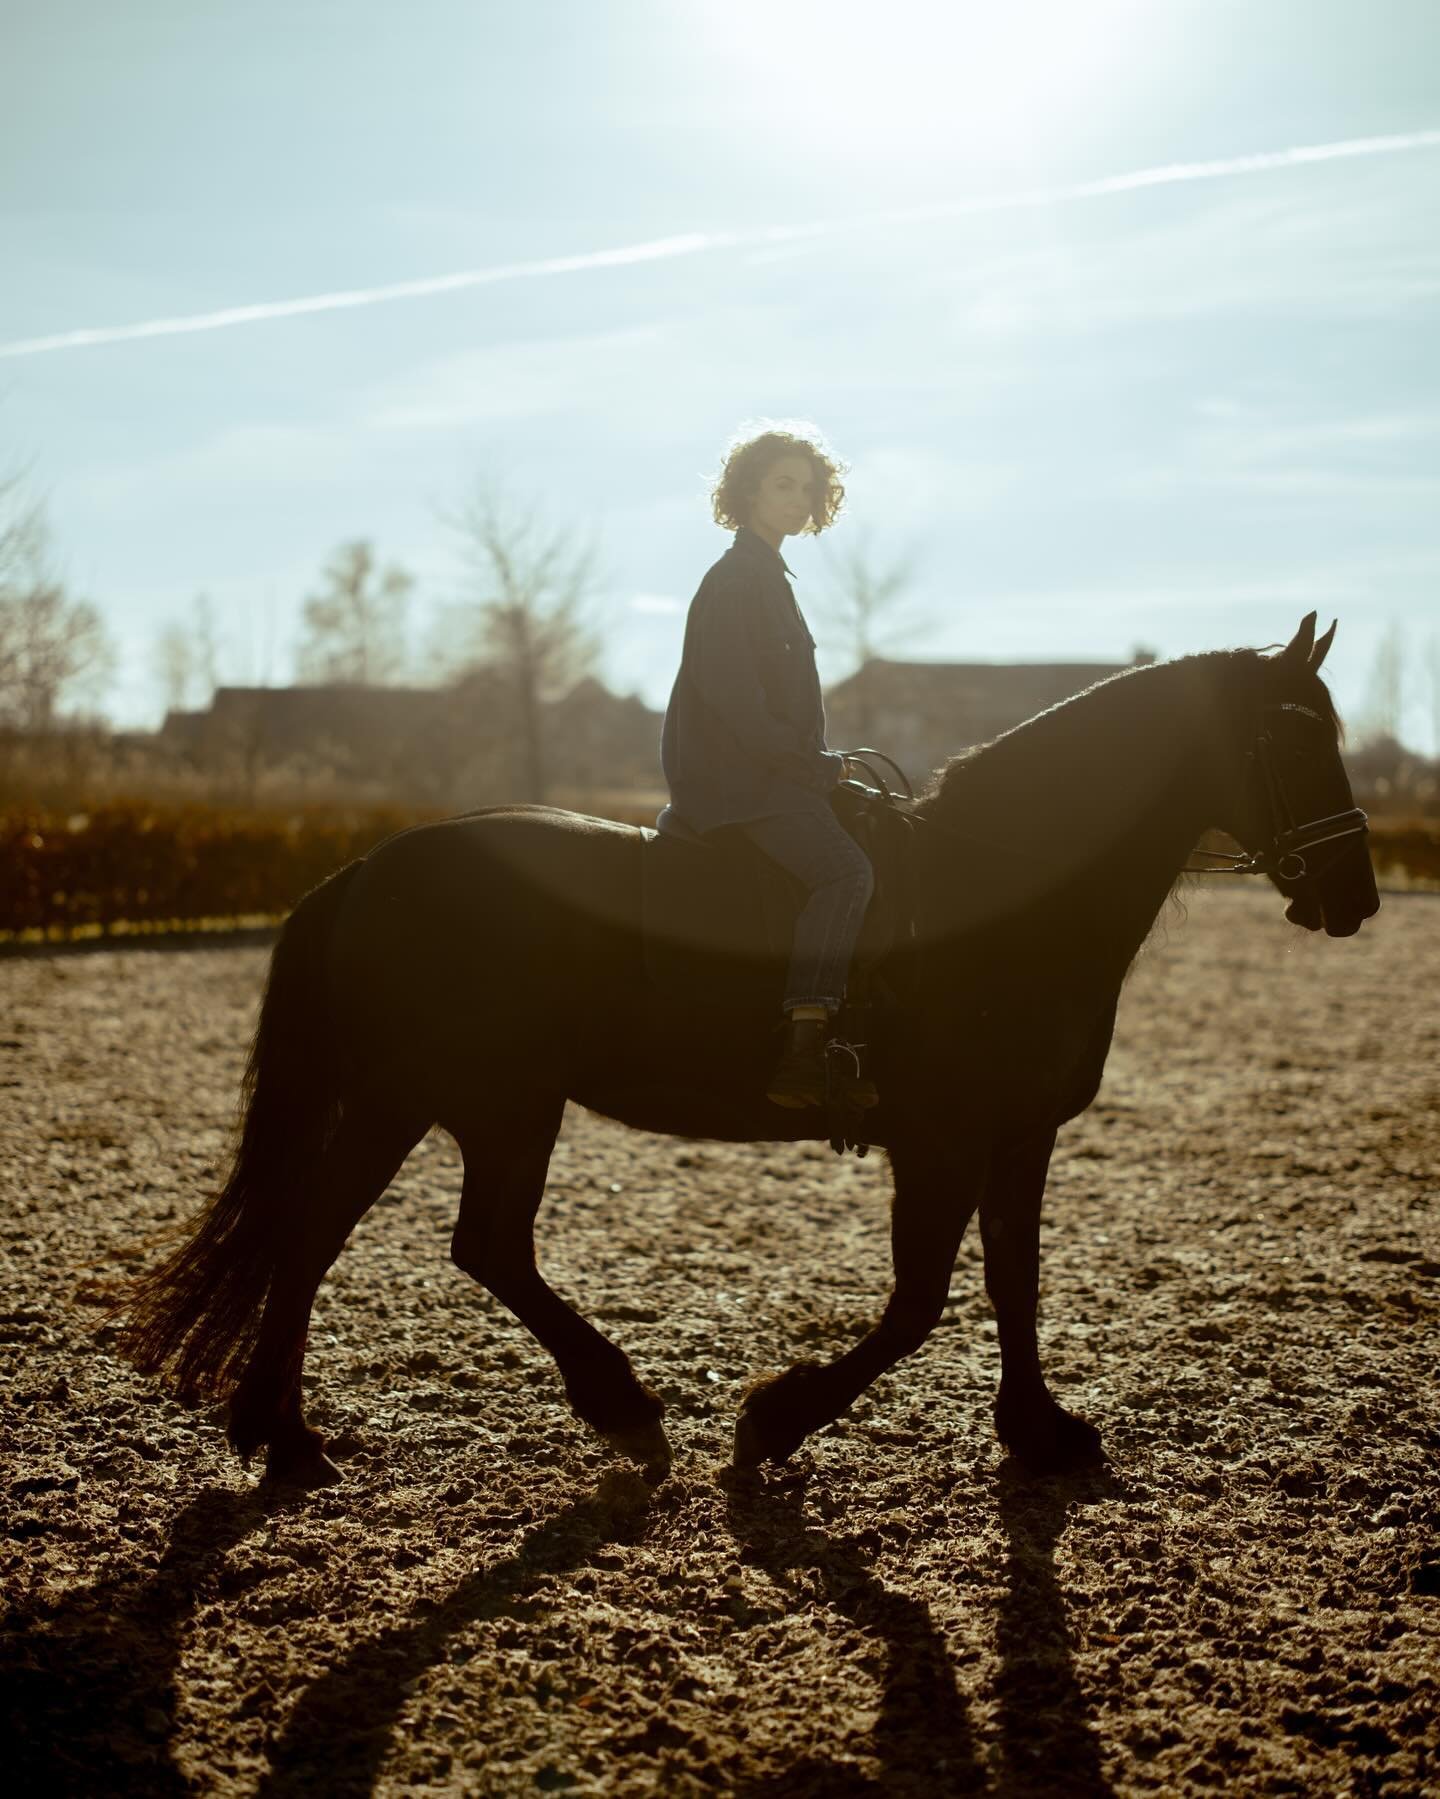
1408	847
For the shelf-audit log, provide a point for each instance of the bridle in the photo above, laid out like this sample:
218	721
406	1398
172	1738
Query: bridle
1287	856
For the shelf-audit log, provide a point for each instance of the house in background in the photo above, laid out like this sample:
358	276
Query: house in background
459	746
393	738
465	745
922	713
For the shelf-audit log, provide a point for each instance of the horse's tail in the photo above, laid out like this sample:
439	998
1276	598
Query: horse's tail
195	1317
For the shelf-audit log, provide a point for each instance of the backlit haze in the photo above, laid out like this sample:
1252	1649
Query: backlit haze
1177	411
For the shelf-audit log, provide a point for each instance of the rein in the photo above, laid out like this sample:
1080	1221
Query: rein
879	780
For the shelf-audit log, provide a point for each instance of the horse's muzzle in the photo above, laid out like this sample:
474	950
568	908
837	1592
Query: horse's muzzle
1336	917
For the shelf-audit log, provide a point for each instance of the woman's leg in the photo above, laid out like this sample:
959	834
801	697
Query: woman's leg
821	853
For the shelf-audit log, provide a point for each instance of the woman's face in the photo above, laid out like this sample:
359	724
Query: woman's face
785	500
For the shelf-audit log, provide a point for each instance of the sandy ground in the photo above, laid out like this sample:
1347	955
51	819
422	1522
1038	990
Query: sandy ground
1239	1289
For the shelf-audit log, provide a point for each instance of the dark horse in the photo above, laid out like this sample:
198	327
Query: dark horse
478	972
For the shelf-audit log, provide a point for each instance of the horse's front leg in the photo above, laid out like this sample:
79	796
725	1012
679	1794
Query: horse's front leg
936	1193
1031	1424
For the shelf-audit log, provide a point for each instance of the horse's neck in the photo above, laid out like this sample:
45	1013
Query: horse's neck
1083	818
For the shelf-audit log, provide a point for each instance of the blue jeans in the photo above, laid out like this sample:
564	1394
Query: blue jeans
836	872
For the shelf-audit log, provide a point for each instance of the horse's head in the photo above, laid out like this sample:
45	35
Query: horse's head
1292	807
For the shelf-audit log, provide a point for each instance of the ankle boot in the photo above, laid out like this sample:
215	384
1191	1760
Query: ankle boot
799	1077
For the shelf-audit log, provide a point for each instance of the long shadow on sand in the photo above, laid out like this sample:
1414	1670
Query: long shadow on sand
340	1730
922	1737
1049	1744
89	1685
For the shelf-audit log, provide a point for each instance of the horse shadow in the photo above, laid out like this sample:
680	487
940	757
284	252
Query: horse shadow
92	1694
338	1733
90	1688
922	1738
90	1685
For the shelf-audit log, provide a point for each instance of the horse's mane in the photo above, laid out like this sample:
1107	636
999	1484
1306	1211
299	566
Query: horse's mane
1069	786
1228	684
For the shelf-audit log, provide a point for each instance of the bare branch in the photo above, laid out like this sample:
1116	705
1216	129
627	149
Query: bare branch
866	601
524	614
175	666
355	626
1384	708
53	649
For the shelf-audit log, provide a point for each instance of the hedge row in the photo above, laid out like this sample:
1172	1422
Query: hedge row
140	866
1411	848
135	866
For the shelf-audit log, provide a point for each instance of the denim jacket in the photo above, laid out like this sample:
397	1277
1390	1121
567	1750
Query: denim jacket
744	733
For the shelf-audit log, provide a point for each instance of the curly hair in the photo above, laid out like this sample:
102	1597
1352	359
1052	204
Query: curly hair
750	453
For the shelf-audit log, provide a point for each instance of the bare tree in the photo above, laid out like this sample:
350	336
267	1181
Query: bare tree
524	615
355	626
866	602
175	666
868	607
1432	671
52	648
187	658
1385	696
24	541
205	643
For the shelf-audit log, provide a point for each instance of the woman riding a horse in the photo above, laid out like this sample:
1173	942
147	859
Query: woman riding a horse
743	744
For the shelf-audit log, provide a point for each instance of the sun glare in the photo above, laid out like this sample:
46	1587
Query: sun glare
891	81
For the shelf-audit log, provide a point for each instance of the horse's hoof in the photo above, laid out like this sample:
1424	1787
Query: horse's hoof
309	1467
749	1450
646	1444
778	1414
1061	1444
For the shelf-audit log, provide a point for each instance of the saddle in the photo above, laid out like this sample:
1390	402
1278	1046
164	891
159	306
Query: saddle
718	916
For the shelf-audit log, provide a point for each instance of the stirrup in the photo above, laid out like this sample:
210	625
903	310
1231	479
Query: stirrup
844	1074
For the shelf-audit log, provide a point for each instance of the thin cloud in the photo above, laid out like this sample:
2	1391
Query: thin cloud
1255	253
699	242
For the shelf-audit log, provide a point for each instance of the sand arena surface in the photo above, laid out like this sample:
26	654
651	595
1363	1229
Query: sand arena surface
1239	1288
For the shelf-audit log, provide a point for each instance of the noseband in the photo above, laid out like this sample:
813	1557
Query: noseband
1287	854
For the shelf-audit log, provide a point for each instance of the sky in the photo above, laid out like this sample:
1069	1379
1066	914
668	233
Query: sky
1089	412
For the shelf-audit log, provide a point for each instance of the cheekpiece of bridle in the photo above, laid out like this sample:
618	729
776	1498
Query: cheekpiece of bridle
1288	854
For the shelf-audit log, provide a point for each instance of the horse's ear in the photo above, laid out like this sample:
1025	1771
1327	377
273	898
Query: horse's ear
1322	648
1297	651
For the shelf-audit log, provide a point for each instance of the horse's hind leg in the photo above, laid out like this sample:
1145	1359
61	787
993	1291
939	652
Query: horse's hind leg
1031	1424
356	1167
494	1242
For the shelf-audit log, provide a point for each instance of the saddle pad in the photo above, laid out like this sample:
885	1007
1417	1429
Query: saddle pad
717	920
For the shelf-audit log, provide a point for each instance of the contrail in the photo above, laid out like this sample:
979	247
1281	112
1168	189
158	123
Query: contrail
697	242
